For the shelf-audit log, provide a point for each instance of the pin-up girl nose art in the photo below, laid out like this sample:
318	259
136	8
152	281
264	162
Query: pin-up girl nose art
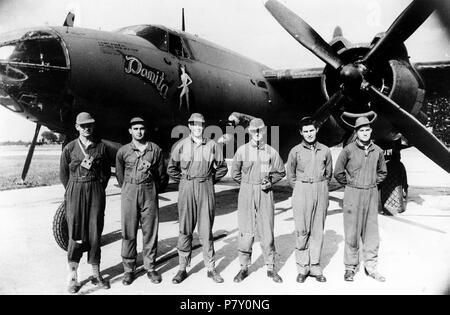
185	82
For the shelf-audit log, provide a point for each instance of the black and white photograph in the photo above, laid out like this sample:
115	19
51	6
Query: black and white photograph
218	148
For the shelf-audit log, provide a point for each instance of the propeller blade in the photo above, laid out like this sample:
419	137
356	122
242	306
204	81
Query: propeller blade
30	152
402	28
412	129
303	33
324	112
443	14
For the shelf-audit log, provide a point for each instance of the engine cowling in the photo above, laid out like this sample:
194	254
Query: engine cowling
395	77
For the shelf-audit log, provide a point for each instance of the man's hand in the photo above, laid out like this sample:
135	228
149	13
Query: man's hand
266	185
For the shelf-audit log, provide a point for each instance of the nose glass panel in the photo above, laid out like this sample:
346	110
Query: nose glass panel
32	47
34	67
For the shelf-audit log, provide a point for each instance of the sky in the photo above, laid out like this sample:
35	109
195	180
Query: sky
244	26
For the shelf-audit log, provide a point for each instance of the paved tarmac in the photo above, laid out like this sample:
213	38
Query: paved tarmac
414	254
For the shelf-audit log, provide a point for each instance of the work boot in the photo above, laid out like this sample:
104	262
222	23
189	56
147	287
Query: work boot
375	275
301	278
274	275
154	276
73	286
242	274
213	274
128	278
319	278
179	277
97	279
100	282
349	275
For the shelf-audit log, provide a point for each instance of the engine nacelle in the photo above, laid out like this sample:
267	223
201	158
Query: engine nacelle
407	88
395	77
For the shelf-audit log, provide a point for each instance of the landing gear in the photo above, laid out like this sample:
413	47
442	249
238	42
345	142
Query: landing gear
394	189
60	229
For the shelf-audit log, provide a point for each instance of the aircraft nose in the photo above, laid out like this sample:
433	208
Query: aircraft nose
33	47
34	66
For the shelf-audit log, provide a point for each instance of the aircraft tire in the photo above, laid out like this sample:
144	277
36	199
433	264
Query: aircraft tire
60	229
394	189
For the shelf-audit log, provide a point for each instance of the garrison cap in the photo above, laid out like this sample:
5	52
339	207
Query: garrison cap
255	124
84	118
196	117
137	120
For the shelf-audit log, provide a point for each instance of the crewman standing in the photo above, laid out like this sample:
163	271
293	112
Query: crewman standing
361	167
256	166
309	170
196	163
140	172
84	171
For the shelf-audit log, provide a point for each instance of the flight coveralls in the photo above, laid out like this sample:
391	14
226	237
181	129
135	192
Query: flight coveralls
197	167
309	170
361	170
84	198
252	164
140	174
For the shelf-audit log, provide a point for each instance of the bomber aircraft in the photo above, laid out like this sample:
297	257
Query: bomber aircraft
50	74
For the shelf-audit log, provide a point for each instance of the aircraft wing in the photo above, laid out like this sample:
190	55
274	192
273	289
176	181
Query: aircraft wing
298	86
302	89
436	76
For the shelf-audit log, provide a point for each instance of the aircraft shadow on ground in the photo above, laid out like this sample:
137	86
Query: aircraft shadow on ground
415	193
340	202
167	255
165	261
226	202
285	247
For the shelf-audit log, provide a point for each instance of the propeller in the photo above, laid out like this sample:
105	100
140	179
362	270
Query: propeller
353	83
412	129
324	112
303	33
30	152
402	28
443	14
351	79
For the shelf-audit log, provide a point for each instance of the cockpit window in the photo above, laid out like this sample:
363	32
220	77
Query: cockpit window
161	38
34	47
176	46
154	35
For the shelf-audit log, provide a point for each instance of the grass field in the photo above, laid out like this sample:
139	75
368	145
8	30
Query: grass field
44	168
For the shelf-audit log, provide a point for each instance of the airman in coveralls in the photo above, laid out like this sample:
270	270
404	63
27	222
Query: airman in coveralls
140	172
196	163
256	166
361	167
84	171
309	170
